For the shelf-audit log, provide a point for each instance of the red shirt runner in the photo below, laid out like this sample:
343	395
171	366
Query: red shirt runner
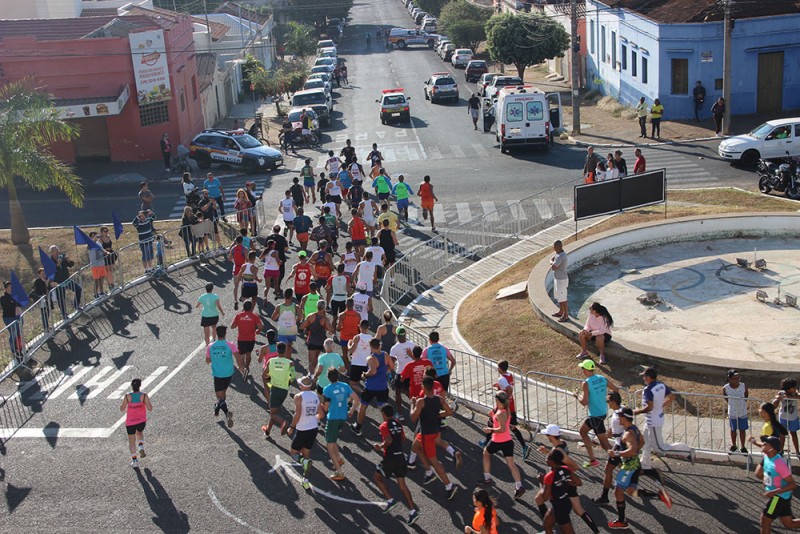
302	279
414	372
247	323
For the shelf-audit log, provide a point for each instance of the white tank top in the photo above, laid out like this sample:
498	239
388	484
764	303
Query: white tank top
361	305
308	411
336	189
287	320
369	211
271	261
339	287
355	172
361	350
350	262
287	209
248	273
333	165
366	273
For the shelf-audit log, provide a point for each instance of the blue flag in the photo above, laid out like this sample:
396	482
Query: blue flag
82	239
48	264
17	291
117	225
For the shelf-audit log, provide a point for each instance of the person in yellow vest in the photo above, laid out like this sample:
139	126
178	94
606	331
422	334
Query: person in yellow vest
656	112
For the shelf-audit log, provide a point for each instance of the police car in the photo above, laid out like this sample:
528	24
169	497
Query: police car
394	106
441	85
233	147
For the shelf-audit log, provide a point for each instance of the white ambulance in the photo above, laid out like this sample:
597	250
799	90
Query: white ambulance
526	116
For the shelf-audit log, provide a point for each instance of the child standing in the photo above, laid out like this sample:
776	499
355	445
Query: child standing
736	393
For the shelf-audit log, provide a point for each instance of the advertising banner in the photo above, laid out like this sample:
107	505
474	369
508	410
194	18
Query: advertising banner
149	56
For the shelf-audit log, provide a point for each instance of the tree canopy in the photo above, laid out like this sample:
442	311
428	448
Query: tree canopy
300	40
433	7
463	22
524	40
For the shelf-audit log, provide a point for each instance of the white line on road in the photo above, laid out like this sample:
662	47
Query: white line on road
490	211
464	214
240	521
95	385
145	383
457	152
480	150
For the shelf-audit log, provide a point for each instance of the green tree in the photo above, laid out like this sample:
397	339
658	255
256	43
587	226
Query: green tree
464	23
525	40
29	123
433	7
300	40
315	11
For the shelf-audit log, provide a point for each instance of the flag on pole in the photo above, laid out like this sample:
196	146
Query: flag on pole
17	291
82	239
48	264
117	225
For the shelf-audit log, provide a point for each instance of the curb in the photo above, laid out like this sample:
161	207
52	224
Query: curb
578	142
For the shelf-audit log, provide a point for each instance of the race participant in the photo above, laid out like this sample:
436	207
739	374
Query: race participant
307	173
402	191
272	270
615	431
348	153
248	276
628	477
302	225
413	373
359	350
249	325
322	184
220	355
357	229
386	332
238	254
556	485
287	315
441	358
393	463
438	390
336	292
387	214
376	381
350	260
209	316
426	411
321	232
267	352
332	222
332	164
281	245
378	257
375	158
427	199
356	170
387	241
288	210
368	210
304	426
778	487
135	406
322	263
501	441
318	326
298	194
505	383
348	327
366	273
356	193
382	184
334	189
309	301
593	396
346	182
302	274
335	397
279	373
327	360
362	303
401	351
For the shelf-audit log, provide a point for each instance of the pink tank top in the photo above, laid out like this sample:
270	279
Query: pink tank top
501	437
137	412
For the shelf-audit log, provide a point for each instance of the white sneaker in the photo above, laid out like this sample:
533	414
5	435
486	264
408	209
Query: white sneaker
135	463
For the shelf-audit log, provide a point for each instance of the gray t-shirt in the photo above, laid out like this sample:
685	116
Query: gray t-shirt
560	266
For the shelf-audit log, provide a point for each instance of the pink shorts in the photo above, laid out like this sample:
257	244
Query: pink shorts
272	273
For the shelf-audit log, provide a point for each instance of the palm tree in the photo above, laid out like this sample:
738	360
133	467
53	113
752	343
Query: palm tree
29	123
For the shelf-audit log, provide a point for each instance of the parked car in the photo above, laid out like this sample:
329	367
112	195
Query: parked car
321	69
484	80
475	69
439	86
461	56
778	138
327	62
316	83
439	44
447	51
233	147
402	37
500	81
316	99
327	52
418	18
294	117
326	43
325	77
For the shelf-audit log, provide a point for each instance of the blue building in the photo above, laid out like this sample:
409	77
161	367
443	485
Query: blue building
662	48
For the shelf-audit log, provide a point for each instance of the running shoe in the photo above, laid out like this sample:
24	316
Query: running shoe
459	459
356	429
284	428
216	410
135	463
337	476
743	450
413	515
733	448
519	493
265	431
245	375
664	497
306	484
526	451
411	465
391	503
452	492
443	423
429	478
486	482
229	419
617	525
591	463
306	465
603	360
600	500
236	305
142	454
400	418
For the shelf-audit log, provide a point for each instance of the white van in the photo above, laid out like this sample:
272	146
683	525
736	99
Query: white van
774	139
523	114
401	38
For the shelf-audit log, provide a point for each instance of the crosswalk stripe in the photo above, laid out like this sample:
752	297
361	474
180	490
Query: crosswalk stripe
516	210
543	208
434	152
457	152
566	203
146	382
438	213
480	150
413	213
464	214
412	154
389	155
489	210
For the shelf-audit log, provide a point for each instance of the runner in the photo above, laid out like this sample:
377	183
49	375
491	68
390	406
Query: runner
426	411
248	275
318	326
358	232
614	401
348	327
501	441
327	360
366	274
356	170
485	519
302	274
299	196
267	352
220	355
209	316
346	182
335	398
309	301
378	257
362	303
307	173
359	354
375	158
304	426
402	352
628	477
288	210
441	358
393	463
427	199
272	270
556	485
387	214
334	189
322	184
135	406
249	325
382	184
337	291
376	381
593	396
350	260
281	245
368	210
348	152
402	191
302	225
778	486
413	373
287	316
238	254
332	164
356	193
505	383
322	263
279	373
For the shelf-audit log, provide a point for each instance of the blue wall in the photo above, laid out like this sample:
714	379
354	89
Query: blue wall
700	44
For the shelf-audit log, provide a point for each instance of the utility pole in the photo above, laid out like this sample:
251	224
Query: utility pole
726	67
576	70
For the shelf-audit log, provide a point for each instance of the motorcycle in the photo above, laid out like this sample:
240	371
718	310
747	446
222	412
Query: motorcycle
779	176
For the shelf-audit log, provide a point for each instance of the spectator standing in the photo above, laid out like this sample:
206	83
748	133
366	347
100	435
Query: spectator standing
109	253
558	264
215	191
208	207
736	394
97	260
590	165
41	288
473	109
641	114
656	113
188	187
640	165
250	190
718	112
620	163
699	96
63	264
12	310
144	226
146	196
187	221
166	151
243	208
786	402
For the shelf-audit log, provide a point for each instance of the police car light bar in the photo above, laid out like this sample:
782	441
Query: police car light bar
397	90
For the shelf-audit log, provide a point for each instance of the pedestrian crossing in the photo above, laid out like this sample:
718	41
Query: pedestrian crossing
682	170
231	184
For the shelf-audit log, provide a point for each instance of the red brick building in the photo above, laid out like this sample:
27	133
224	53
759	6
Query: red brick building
87	65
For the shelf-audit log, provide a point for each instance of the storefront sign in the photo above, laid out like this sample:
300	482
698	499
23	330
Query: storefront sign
149	56
706	57
92	108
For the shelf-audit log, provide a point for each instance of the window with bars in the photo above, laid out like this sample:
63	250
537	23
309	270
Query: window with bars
156	113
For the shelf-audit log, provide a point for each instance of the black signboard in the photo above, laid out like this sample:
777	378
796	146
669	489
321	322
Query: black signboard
612	196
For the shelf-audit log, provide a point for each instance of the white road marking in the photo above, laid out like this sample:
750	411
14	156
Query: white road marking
438	214
566	203
341	138
490	211
30	383
480	150
380	134
457	151
401	133
435	153
240	521
361	136
412	154
390	155
516	210
419	142
95	385
543	208
121	390
464	214
78	373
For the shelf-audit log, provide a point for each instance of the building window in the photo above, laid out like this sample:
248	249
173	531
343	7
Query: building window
603	55
644	70
150	114
634	66
614	49
624	56
183	102
194	88
680	76
1	70
591	36
718	84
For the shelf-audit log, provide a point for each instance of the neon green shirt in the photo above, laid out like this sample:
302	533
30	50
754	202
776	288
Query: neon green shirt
281	372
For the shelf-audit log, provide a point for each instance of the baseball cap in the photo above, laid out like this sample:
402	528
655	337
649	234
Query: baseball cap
400	331
304	381
302	254
733	372
773	442
361	286
651	372
551	430
587	364
625	412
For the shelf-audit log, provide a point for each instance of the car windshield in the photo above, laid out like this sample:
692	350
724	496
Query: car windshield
247	141
761	131
314	84
489	77
393	100
320	76
464	52
324	61
508	81
310	98
445	81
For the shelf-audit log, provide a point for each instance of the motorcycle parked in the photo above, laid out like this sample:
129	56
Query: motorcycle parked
780	176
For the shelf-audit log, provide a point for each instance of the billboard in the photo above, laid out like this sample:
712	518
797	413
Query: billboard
612	196
150	69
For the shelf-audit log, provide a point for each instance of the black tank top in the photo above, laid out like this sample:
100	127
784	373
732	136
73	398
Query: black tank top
385	239
316	332
429	420
389	338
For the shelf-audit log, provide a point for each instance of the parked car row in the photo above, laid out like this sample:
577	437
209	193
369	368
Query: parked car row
316	94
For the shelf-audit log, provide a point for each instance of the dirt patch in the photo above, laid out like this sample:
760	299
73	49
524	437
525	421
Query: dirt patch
528	343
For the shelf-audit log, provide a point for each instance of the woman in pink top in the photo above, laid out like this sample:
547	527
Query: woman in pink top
597	328
502	442
136	404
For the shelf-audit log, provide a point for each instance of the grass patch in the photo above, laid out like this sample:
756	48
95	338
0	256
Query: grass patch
528	343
